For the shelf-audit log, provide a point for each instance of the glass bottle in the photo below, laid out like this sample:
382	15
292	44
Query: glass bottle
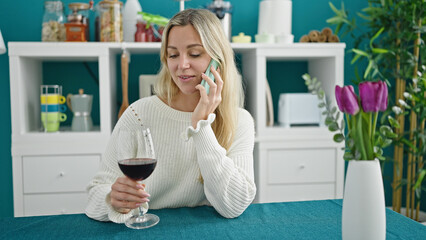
53	29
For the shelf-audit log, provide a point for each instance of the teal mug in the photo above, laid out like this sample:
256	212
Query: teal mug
53	108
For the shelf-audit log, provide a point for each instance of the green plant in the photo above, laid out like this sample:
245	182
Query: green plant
362	141
392	48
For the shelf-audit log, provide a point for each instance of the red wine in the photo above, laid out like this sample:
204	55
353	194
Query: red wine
137	169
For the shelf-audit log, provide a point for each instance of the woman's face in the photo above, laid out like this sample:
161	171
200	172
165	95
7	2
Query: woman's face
186	58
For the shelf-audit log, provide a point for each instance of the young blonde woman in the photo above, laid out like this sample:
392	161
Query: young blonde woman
203	141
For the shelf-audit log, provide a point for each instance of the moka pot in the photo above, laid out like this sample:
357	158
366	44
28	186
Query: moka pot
81	106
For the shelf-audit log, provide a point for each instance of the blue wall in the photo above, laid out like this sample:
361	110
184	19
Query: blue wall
21	21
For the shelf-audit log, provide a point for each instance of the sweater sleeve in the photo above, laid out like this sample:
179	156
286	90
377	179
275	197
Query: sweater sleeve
228	176
99	206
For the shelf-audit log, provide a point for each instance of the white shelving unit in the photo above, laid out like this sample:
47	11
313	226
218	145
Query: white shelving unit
51	170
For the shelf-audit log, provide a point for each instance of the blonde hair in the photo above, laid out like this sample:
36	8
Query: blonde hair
218	47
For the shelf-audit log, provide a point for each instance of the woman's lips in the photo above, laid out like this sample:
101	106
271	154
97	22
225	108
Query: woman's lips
186	78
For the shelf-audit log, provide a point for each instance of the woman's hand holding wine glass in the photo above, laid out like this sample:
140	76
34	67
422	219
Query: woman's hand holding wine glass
127	194
136	159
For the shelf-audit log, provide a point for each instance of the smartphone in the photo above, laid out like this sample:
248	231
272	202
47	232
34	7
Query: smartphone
209	74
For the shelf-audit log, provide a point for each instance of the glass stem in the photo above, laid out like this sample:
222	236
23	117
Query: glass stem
140	208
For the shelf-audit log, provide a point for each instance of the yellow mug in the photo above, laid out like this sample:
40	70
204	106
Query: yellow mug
52	99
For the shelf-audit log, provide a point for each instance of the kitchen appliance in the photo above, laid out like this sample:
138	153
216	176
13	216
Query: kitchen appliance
299	109
223	11
77	26
81	105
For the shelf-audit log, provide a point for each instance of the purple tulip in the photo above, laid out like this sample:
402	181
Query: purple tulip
347	100
374	96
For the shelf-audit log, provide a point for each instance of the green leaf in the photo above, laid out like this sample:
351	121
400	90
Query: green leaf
379	50
393	122
360	52
348	156
334	20
386	143
376	36
334	8
420	178
328	121
333	127
338	137
321	94
367	71
355	58
321	105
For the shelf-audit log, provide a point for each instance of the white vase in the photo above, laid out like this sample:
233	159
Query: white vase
363	215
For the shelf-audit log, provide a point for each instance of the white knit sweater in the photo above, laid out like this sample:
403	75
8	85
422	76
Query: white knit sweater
182	154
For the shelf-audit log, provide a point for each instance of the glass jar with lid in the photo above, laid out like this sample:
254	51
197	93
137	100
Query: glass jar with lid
109	21
53	29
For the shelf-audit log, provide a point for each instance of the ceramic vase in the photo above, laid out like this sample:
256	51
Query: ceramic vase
363	215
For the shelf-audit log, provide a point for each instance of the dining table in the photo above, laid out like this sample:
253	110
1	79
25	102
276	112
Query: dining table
320	219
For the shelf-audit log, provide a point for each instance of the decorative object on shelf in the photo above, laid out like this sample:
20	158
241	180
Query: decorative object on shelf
363	194
81	106
182	4
241	38
146	85
77	27
298	109
2	45
326	35
269	106
275	18
51	109
53	29
124	81
363	213
130	19
150	28
223	10
109	21
264	38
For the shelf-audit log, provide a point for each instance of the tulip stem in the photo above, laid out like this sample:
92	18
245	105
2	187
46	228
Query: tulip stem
360	138
374	128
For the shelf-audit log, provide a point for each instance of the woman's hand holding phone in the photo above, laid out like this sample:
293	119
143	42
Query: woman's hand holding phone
210	96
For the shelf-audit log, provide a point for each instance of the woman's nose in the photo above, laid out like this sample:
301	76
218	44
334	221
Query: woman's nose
184	62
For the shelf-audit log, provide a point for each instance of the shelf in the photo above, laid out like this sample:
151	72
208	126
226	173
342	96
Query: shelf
274	146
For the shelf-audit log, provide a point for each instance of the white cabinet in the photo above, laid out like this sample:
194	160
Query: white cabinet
51	170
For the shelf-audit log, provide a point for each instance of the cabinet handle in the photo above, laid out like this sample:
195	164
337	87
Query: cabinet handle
302	166
61	174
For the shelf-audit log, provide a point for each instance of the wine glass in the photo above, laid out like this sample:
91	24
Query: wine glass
136	159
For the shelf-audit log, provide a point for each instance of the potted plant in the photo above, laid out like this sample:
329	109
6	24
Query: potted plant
392	48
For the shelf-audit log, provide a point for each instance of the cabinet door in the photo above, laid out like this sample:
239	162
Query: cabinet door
301	165
296	174
54	174
54	204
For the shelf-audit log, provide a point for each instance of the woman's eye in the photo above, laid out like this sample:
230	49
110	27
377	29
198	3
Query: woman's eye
195	55
172	56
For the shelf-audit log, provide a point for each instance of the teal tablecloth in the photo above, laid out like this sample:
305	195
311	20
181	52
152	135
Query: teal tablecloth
290	220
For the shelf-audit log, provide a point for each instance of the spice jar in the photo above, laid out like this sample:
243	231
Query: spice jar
53	29
109	21
78	22
144	33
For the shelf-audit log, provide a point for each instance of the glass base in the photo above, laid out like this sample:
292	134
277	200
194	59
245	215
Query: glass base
140	222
